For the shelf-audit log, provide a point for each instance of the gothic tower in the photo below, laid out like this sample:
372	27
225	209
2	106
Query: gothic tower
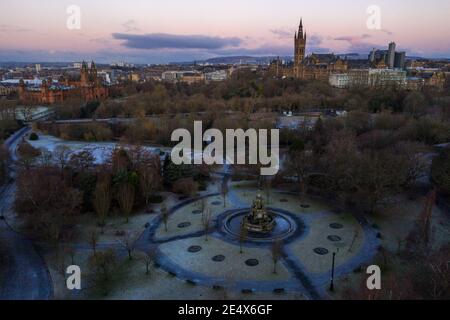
300	44
299	51
84	74
93	73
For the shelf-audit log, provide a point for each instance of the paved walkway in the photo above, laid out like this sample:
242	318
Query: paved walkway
25	275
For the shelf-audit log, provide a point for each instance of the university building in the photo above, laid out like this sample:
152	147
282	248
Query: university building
383	78
375	78
89	88
312	67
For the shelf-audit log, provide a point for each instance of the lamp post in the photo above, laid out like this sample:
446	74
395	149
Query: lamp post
332	273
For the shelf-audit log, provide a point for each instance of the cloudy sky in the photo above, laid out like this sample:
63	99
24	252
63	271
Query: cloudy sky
158	31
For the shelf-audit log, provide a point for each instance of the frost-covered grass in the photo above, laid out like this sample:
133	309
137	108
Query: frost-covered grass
100	150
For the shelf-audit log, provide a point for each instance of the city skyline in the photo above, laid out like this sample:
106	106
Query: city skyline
173	31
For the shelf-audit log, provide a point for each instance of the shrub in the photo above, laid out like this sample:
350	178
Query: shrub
186	186
156	199
440	171
34	136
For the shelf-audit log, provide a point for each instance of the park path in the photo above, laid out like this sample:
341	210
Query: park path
25	275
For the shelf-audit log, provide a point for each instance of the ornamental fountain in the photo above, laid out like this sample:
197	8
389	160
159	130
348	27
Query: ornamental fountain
259	220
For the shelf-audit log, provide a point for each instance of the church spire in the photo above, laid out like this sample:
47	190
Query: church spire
300	29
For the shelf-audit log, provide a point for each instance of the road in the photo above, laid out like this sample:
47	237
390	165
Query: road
24	274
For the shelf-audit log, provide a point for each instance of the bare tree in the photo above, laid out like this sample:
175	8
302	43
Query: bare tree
186	186
243	234
206	221
149	181
165	216
202	204
28	154
82	160
93	239
102	267
70	251
300	164
355	236
418	240
61	155
102	201
45	158
125	197
224	191
277	254
60	261
149	258
127	242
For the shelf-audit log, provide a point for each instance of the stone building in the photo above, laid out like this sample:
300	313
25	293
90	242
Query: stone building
6	90
312	67
89	88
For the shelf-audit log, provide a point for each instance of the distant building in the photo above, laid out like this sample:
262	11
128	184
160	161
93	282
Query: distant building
377	78
383	78
122	64
135	77
387	59
192	77
400	60
172	76
50	91
6	90
312	67
183	76
434	79
340	80
414	83
219	75
431	77
79	65
391	55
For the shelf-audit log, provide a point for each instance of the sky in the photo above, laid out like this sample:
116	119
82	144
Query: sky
150	31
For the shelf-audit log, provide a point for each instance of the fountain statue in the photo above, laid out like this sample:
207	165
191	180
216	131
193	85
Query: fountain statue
258	220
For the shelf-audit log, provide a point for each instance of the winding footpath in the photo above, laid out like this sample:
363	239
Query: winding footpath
24	274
